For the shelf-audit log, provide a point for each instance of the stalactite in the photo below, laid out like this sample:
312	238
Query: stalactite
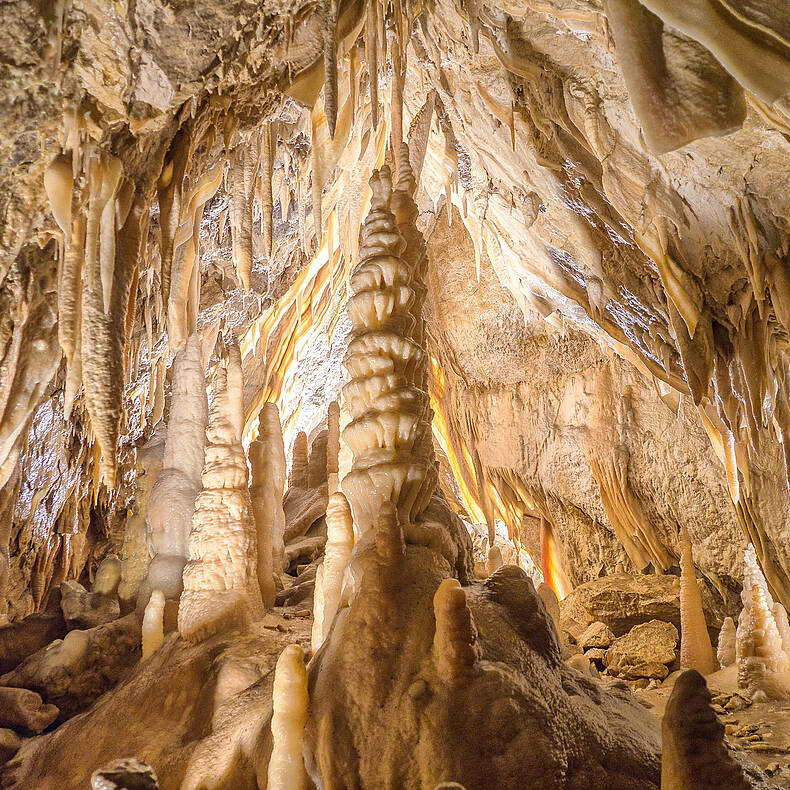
153	624
696	651
694	754
267	460
397	104
267	200
419	133
58	184
69	296
299	462
389	431
455	650
371	56
289	716
333	447
220	578
725	651
330	64
337	553
170	196
171	504
102	348
241	177
186	257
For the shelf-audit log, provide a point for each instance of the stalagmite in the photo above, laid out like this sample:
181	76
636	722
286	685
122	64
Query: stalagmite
725	651
495	561
171	504
696	651
299	462
757	636
153	623
267	461
337	553
455	650
108	576
389	431
551	602
782	625
290	701
694	754
221	587
330	64
135	556
333	447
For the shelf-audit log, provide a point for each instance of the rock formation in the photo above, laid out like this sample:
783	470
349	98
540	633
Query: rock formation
696	651
171	504
510	285
221	586
693	749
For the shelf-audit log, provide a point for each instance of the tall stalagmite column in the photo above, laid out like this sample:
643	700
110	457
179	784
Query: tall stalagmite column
696	651
389	433
267	459
171	505
221	585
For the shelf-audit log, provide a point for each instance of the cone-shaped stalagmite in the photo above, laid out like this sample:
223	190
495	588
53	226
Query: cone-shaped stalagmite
455	650
389	429
696	651
694	754
725	651
333	447
221	585
299	462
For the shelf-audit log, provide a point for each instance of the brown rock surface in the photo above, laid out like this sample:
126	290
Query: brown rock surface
622	601
22	709
644	652
596	634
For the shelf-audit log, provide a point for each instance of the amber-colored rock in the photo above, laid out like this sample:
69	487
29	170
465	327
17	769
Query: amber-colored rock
595	635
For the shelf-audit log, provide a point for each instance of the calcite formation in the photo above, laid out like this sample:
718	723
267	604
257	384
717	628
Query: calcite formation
171	503
388	423
696	651
693	749
289	715
221	586
564	326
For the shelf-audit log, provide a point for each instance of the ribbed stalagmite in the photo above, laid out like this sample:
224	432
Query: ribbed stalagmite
696	651
267	460
389	428
171	505
694	754
221	586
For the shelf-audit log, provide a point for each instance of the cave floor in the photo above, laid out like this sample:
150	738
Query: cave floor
760	730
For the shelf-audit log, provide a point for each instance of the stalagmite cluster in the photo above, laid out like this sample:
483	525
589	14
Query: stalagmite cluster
221	587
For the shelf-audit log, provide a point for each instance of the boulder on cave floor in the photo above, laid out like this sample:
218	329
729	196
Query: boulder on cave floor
622	601
644	652
22	709
596	634
83	609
